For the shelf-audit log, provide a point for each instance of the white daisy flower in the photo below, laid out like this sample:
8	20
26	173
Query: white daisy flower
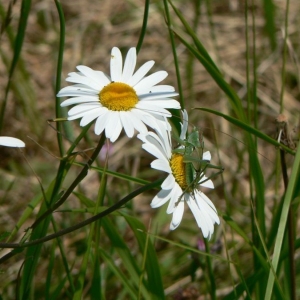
175	187
11	142
122	100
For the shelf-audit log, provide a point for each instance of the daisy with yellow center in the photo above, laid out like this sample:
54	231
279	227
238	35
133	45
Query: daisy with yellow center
122	100
175	188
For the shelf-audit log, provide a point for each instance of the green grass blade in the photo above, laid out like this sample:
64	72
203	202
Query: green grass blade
116	270
218	78
295	177
128	260
82	272
144	27
58	113
24	13
248	128
154	279
197	42
175	119
269	12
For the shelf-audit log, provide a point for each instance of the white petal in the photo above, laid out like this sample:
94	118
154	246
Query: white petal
82	108
162	88
89	117
150	148
161	165
126	122
146	84
113	126
158	106
86	81
153	139
101	123
140	73
161	198
208	183
116	64
79	115
177	215
206	156
201	218
76	90
81	99
104	77
202	197
117	130
137	122
157	96
147	106
176	196
99	77
11	142
168	183
129	65
150	121
184	126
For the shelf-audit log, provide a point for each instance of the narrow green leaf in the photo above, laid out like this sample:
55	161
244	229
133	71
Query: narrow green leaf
154	279
125	254
294	178
249	129
24	13
269	13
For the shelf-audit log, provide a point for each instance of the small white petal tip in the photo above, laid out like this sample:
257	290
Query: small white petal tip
11	142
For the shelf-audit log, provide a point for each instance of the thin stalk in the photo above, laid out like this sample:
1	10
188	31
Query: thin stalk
114	207
211	275
58	74
85	260
169	23
294	178
144	26
284	55
291	234
71	188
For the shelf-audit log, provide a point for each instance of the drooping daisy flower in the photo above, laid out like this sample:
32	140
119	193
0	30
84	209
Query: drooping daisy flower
122	100
11	142
175	187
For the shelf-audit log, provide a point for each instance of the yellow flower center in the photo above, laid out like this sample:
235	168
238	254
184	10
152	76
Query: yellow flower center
118	96
178	170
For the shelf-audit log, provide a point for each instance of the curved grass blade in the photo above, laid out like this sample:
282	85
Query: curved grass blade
154	279
294	179
125	255
249	129
197	42
144	26
24	13
58	75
